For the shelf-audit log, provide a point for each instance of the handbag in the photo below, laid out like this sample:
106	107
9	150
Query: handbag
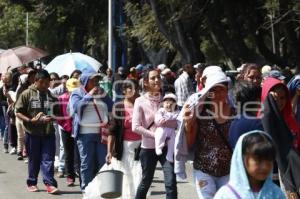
103	129
137	151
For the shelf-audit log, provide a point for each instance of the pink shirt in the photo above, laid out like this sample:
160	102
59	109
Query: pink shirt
65	121
129	135
144	110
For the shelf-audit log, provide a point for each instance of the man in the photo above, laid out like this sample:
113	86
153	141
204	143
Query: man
184	86
167	81
6	80
36	108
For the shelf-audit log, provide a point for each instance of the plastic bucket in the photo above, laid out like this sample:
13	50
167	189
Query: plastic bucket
112	183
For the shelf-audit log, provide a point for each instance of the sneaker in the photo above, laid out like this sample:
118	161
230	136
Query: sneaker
13	151
70	181
20	157
32	188
26	161
51	189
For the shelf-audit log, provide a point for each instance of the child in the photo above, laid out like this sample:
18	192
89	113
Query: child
165	120
251	167
66	130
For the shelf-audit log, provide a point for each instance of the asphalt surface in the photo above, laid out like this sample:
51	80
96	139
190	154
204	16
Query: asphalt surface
13	174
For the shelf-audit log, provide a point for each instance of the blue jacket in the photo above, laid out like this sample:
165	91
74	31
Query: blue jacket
79	99
293	86
239	181
241	125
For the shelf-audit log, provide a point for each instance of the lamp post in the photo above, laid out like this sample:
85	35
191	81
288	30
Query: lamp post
27	27
272	32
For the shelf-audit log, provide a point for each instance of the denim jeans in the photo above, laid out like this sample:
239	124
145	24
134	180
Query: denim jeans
2	125
92	156
207	185
149	160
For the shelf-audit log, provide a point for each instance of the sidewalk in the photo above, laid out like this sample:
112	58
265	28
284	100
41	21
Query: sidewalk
13	174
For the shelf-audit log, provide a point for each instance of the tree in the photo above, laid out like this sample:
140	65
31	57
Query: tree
13	25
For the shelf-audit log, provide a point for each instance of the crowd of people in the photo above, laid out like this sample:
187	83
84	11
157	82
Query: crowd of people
240	129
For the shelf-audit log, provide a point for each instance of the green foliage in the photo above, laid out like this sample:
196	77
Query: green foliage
13	25
144	27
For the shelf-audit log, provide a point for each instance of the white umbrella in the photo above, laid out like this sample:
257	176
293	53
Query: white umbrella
65	64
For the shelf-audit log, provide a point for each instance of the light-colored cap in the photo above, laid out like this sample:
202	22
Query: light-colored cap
266	69
219	77
166	71
161	67
170	96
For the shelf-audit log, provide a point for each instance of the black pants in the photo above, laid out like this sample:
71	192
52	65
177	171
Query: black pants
68	142
13	135
149	160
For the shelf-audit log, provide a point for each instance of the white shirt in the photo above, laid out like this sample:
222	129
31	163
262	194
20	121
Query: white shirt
90	122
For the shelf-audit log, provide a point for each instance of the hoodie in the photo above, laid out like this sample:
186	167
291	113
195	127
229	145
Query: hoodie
293	86
79	99
282	127
287	113
239	182
30	103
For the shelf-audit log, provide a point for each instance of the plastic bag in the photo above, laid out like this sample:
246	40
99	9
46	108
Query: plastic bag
92	191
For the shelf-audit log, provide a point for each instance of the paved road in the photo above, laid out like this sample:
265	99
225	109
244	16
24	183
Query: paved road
13	175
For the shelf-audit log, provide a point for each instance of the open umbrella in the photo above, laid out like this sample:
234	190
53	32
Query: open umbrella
15	57
65	64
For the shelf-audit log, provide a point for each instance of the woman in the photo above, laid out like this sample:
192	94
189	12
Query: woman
89	108
122	141
251	73
144	110
66	130
279	121
207	128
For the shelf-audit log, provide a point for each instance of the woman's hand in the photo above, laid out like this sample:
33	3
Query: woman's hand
187	112
108	158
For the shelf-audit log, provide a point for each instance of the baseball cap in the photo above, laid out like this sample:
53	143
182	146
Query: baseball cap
276	74
166	71
72	84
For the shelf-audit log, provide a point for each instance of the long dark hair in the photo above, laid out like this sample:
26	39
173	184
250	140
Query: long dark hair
259	145
146	77
247	68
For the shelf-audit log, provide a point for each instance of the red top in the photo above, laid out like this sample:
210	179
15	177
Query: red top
129	135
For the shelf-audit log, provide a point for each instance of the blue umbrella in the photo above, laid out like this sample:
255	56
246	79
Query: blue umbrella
65	64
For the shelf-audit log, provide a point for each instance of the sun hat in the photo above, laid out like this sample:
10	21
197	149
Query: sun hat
211	70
